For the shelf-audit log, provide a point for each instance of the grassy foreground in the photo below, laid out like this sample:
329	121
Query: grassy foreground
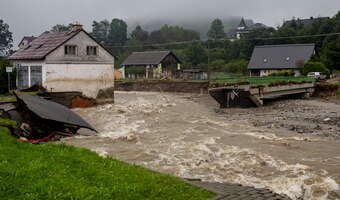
57	171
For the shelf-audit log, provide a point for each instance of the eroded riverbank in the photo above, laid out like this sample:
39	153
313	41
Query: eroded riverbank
183	135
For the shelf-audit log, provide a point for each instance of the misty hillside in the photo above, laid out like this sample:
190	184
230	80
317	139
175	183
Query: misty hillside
200	25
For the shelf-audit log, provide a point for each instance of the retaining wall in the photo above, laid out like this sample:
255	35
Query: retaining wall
163	86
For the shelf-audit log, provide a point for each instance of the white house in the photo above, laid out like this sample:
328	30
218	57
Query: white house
65	61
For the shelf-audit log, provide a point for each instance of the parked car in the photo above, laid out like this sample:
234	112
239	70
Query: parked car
317	75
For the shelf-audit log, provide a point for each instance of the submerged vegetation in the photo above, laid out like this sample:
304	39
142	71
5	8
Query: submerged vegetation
58	171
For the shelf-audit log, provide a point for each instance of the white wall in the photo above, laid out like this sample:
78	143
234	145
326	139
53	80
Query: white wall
86	78
81	40
267	72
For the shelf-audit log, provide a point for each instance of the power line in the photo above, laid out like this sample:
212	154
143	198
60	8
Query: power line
296	37
250	39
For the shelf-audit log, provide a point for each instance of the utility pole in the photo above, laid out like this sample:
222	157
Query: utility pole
209	61
9	70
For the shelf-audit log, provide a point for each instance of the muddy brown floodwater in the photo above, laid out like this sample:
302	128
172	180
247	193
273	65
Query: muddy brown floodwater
188	136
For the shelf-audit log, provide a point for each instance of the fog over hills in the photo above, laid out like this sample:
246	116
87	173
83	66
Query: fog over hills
32	17
200	25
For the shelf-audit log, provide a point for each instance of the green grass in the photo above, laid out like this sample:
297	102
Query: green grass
10	97
5	98
58	171
258	81
159	80
7	123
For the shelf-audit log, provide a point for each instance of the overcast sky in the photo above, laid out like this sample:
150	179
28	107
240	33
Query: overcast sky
32	17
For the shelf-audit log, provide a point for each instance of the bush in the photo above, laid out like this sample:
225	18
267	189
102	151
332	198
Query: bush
135	70
283	73
237	67
217	65
315	67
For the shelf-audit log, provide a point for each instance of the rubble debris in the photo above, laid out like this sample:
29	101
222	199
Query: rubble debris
63	98
34	88
325	89
105	96
82	102
40	120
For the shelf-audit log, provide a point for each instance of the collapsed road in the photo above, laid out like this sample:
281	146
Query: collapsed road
39	120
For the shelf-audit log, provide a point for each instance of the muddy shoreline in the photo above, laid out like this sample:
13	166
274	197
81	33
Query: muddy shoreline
313	117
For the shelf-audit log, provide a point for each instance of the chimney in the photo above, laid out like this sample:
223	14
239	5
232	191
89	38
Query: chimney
77	27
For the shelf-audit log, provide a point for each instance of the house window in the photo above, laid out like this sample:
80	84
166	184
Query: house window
91	50
70	49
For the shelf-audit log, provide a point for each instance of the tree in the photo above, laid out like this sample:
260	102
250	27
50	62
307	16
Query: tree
216	30
237	67
315	67
196	54
252	39
173	34
155	36
61	28
100	31
6	39
331	52
139	34
117	33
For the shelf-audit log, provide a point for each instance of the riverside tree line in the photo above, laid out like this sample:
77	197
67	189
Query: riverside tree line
219	53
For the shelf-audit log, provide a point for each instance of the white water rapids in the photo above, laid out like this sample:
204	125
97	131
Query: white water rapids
172	133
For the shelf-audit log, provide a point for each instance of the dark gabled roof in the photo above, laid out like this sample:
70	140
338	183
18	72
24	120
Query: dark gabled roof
29	39
305	22
39	48
147	58
287	56
242	23
256	26
43	45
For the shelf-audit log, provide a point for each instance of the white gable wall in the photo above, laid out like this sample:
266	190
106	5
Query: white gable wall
81	72
81	40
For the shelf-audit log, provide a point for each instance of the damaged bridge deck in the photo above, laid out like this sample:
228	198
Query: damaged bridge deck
246	96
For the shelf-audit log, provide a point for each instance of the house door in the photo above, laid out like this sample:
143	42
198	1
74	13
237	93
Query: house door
36	75
22	77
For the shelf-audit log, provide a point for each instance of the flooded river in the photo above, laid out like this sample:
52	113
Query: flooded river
183	135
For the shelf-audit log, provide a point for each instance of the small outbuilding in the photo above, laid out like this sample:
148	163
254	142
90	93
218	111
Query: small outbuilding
194	74
151	64
269	59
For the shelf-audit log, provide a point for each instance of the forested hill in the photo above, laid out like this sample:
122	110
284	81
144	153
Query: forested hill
200	25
